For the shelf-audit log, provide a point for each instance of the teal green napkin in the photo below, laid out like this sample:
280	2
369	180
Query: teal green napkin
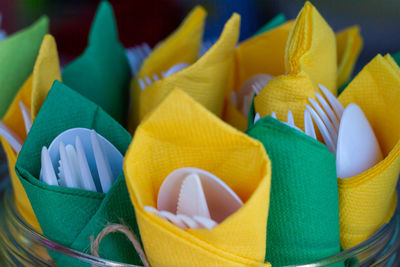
17	55
396	58
102	72
303	220
273	23
68	215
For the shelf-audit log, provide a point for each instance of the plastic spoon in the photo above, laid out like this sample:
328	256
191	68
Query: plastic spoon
357	148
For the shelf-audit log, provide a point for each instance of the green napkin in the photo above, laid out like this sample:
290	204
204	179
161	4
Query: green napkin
273	23
68	215
102	72
17	55
396	58
303	220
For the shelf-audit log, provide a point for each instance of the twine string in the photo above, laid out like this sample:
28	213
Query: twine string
112	228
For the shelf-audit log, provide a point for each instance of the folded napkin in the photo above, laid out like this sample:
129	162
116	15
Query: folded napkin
187	37
396	58
262	53
17	56
102	72
206	80
349	44
303	221
182	133
32	94
69	215
310	59
369	199
265	53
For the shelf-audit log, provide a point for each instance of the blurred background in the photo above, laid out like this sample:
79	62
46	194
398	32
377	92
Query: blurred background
152	20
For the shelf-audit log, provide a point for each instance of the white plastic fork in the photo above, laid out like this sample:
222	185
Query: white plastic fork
14	141
136	55
243	97
26	116
326	116
74	169
146	81
182	220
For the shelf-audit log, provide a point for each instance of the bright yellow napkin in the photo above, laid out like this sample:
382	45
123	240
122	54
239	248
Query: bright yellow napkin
187	37
182	133
310	59
349	44
32	94
368	200
205	80
263	53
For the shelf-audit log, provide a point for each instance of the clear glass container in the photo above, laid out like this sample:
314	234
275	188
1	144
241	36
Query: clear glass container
20	245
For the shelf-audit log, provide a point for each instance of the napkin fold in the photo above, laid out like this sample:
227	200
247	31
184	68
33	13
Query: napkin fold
182	46
262	53
70	216
310	59
368	200
17	55
303	221
32	94
206	80
349	44
180	133
102	72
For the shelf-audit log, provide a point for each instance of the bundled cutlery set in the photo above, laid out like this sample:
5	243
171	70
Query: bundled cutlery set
345	131
229	155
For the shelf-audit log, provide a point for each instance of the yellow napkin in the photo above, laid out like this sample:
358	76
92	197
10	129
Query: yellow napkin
368	200
205	80
310	59
263	53
349	44
32	94
182	133
186	38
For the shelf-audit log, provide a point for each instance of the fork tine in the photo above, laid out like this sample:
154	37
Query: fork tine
309	125
290	119
87	178
155	77
322	128
141	84
328	110
336	105
204	222
66	166
48	174
102	164
273	115
325	119
148	80
256	117
26	116
10	137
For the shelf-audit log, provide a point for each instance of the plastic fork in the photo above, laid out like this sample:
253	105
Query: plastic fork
136	55
146	81
182	220
73	166
14	141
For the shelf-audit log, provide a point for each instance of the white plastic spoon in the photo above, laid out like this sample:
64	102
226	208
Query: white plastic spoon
357	148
